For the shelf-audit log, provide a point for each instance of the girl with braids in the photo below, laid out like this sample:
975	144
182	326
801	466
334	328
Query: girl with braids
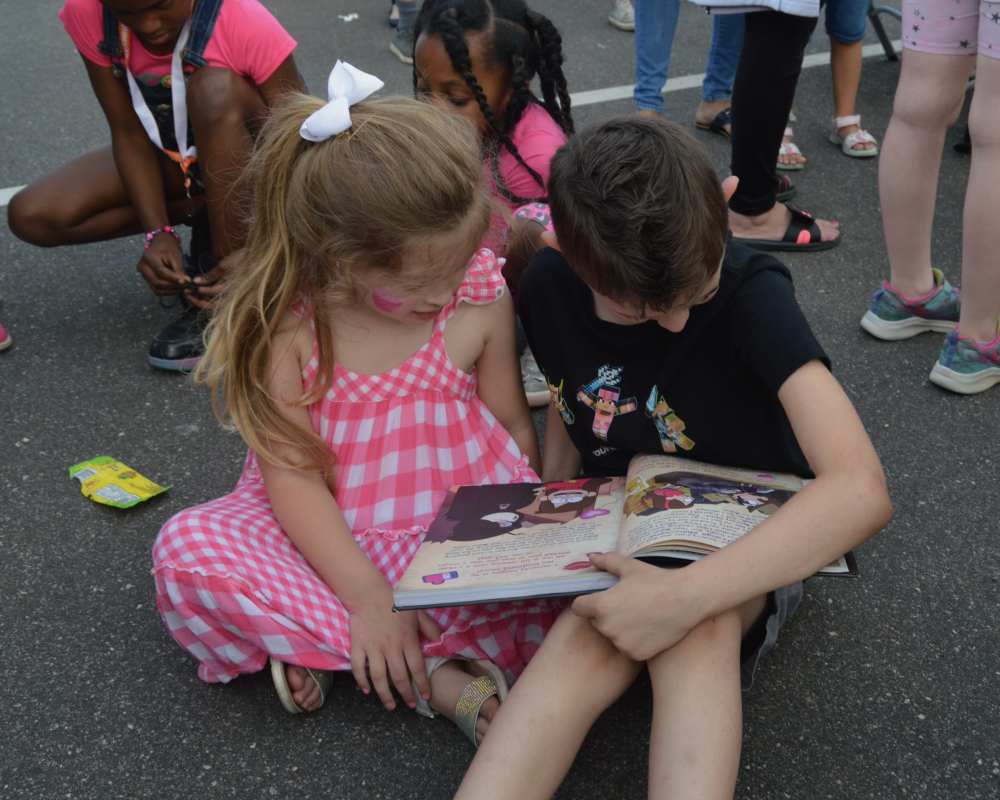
365	351
476	59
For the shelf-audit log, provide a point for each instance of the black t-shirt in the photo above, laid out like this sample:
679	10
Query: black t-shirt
708	392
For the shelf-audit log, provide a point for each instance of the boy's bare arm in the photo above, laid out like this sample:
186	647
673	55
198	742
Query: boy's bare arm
651	609
561	460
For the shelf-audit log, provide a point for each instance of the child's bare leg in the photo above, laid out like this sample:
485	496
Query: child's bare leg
226	113
447	684
928	100
980	235
536	733
85	201
694	749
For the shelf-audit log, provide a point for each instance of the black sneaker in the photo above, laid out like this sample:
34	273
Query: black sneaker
180	346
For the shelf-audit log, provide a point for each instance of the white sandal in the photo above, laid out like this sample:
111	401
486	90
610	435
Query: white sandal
322	678
858	137
490	682
789	149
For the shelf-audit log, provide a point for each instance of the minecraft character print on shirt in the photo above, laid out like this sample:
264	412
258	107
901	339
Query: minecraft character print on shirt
668	426
602	394
560	402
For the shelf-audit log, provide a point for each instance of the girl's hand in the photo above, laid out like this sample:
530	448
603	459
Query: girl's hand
212	284
390	644
162	265
648	611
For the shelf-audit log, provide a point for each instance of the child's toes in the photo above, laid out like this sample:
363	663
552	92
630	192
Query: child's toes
486	717
305	692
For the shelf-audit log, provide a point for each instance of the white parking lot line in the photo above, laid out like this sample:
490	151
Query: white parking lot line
623	92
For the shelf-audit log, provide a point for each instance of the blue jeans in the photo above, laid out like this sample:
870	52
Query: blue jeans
655	24
723	56
846	20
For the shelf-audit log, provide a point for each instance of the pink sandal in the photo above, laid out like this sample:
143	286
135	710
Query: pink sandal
858	137
789	149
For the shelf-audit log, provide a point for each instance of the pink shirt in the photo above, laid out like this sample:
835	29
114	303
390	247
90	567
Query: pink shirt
246	39
537	137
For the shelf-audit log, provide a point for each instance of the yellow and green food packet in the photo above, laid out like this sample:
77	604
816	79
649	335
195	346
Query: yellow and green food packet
111	483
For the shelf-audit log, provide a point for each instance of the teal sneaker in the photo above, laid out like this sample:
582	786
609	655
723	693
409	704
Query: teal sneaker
892	316
965	366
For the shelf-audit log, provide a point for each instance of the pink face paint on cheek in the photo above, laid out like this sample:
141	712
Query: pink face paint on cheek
385	299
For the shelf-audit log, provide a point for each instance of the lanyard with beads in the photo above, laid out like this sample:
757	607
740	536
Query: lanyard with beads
185	155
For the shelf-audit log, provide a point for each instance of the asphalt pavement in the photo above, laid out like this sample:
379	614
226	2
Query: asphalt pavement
886	687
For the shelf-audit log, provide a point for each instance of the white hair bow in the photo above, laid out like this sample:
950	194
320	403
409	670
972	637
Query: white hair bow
347	85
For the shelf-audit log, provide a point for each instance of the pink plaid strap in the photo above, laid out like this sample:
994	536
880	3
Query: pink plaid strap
483	282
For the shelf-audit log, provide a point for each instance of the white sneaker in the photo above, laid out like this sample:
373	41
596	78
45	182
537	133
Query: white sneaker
623	15
536	388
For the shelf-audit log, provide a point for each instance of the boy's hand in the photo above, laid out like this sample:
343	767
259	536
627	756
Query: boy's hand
162	265
647	612
390	644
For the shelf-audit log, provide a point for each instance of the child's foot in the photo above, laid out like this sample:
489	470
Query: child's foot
773	230
536	388
623	15
967	366
714	117
305	691
300	689
448	683
893	316
402	44
5	340
789	155
854	142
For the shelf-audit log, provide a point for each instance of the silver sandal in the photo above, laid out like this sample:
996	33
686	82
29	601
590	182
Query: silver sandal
322	678
489	682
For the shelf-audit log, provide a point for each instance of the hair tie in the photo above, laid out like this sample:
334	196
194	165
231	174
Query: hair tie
346	86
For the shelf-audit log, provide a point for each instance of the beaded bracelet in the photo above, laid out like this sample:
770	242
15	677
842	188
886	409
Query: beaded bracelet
164	229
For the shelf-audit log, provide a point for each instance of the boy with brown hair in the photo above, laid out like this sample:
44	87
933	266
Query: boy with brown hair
640	296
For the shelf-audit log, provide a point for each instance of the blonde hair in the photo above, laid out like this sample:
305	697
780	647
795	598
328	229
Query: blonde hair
323	214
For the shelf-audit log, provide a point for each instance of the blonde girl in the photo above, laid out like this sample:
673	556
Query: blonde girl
366	353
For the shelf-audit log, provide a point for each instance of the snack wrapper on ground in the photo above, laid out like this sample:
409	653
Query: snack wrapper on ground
111	483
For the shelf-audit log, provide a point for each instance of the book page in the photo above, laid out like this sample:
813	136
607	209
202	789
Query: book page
516	533
695	507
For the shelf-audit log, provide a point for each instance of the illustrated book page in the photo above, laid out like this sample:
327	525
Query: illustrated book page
679	509
515	540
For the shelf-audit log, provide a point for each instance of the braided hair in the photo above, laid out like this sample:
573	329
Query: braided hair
521	42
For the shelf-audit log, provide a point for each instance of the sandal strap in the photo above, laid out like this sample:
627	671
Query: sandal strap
470	702
843	122
803	228
789	148
788	131
858	137
724	117
323	680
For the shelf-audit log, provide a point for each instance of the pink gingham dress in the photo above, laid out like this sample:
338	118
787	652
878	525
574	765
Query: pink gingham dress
233	589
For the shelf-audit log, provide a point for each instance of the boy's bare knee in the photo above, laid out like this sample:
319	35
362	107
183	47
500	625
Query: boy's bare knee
585	655
217	96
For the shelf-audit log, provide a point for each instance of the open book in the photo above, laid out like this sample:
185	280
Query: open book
523	540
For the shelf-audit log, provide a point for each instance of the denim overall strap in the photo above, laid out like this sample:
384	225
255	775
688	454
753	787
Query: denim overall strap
203	19
110	44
